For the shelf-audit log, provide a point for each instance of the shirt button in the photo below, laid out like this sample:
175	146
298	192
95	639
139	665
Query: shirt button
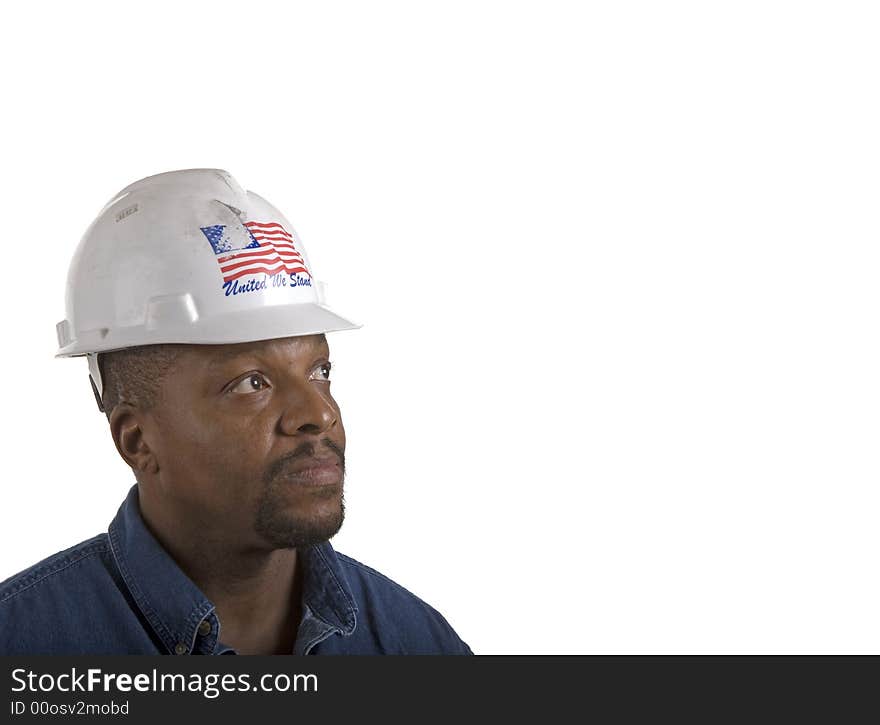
181	649
205	628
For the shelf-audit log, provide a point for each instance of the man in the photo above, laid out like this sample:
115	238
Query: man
195	305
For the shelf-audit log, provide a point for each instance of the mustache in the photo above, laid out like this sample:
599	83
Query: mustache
306	450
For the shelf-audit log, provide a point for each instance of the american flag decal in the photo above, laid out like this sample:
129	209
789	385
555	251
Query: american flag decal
271	250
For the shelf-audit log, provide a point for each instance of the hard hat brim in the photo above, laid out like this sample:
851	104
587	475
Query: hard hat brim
251	325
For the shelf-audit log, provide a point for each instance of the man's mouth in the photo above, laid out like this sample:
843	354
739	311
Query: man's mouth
314	472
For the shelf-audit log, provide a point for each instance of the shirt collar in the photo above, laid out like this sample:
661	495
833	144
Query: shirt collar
174	606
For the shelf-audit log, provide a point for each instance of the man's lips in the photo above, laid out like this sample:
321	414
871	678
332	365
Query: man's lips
314	472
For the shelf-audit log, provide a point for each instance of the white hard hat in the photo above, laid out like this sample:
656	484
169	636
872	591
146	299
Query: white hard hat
188	257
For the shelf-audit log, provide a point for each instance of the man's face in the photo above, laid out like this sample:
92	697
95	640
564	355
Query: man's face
236	431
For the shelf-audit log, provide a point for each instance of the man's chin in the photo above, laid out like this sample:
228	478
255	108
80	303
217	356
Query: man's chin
285	531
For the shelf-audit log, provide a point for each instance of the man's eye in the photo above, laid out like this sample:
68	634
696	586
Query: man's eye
253	383
323	371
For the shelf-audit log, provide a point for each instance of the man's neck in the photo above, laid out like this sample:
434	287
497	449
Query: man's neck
259	611
256	593
264	621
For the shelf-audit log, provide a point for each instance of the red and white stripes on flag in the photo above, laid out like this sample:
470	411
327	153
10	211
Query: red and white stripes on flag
273	252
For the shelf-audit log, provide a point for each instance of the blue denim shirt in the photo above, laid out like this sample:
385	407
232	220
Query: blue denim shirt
122	593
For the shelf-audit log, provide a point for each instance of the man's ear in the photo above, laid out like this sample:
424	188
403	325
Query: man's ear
127	428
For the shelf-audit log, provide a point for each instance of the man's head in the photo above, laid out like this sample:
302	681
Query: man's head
225	438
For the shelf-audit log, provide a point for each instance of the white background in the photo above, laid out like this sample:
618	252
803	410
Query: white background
617	385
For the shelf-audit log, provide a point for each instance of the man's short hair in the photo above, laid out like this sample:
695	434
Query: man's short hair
134	375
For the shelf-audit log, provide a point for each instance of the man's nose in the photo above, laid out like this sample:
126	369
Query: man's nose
307	409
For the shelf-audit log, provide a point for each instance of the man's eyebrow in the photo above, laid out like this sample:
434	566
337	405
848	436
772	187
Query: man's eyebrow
220	357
